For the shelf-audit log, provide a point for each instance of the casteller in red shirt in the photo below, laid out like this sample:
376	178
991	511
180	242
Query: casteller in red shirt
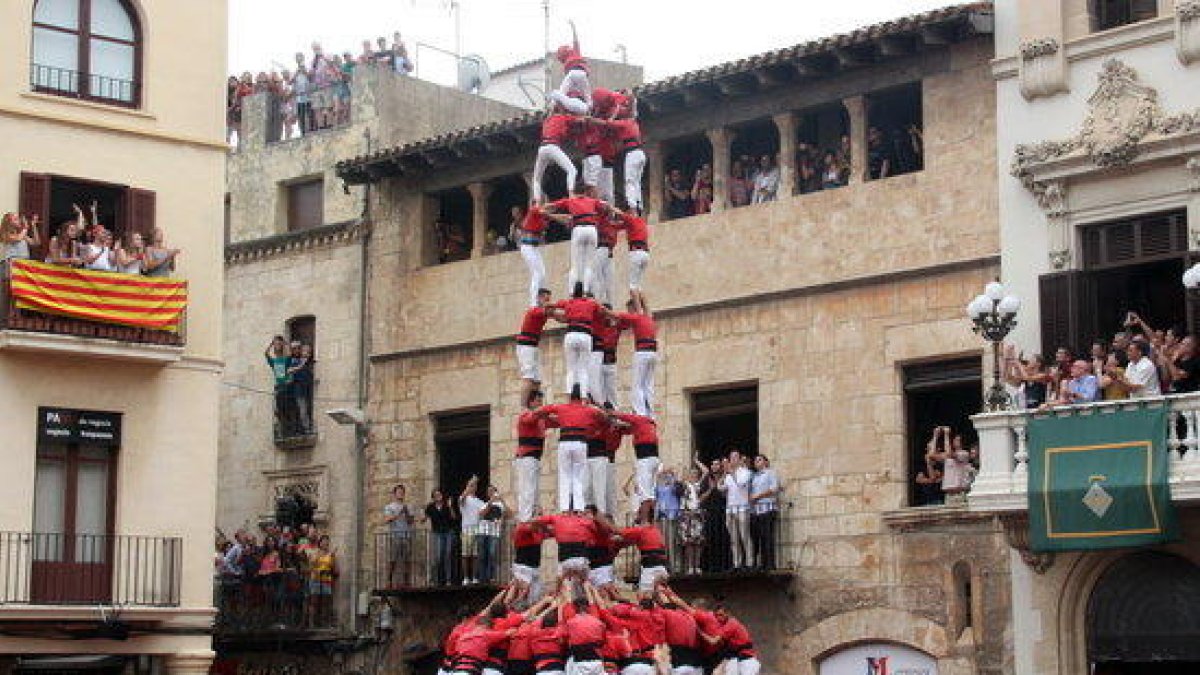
533	322
531	434
637	232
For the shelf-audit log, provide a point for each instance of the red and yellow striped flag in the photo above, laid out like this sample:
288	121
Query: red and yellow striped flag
107	297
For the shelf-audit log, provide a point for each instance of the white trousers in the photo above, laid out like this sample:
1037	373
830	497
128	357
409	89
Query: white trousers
638	669
592	164
645	471
604	185
639	260
526	470
571	104
738	524
572	474
688	670
529	362
635	164
602	274
608	383
595	381
597	468
642	387
742	667
577	349
587	668
537	270
551	153
610	479
583	252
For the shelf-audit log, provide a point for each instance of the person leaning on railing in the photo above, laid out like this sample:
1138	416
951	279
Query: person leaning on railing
18	238
443	518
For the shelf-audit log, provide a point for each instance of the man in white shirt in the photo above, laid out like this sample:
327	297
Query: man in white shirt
736	486
1141	377
764	511
471	507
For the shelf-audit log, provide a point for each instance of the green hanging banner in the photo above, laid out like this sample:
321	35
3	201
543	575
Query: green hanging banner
1098	479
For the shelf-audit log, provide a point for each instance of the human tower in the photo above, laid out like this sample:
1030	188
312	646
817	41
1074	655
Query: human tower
587	626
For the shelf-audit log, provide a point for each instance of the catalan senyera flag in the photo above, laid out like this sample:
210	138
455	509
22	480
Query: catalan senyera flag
107	297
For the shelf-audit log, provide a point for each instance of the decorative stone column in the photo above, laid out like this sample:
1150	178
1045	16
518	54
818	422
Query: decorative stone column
1187	30
720	138
656	178
1052	198
190	663
1042	67
856	111
786	124
479	212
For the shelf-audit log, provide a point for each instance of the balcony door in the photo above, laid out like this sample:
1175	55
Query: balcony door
72	537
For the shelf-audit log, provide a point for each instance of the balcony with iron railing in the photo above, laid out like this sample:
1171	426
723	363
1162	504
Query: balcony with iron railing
285	603
24	327
86	86
698	549
38	568
1002	484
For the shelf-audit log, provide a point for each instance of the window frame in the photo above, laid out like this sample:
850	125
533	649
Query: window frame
293	214
83	74
1098	15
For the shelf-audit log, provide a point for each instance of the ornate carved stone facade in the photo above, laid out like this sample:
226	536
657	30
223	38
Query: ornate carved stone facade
1187	30
1042	67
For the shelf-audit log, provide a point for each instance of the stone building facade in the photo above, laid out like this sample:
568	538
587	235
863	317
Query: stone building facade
1097	145
840	310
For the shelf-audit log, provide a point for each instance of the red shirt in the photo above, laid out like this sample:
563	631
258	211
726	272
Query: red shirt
532	324
591	136
645	537
606	233
737	638
612	442
584	629
706	622
531	434
478	641
556	128
581	313
583	210
648	626
535	222
450	647
617	645
637	233
525	535
642	428
546	643
627	132
644	330
606	102
570	529
521	646
575	419
680	628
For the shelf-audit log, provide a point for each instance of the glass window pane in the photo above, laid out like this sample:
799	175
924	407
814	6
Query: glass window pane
91	512
110	19
55	60
112	70
49	510
61	13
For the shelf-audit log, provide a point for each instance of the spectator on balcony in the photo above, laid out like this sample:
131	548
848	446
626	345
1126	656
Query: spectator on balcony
679	195
766	183
278	360
1181	366
740	187
300	368
339	112
400	61
1098	356
302	87
834	173
691	516
1140	377
322	571
879	156
702	190
443	519
764	511
384	57
131	258
1029	376
270	572
491	520
736	486
367	57
452	243
18	237
63	248
160	260
957	462
667	491
471	508
808	173
98	255
1082	387
1060	370
929	479
399	519
1112	383
716	537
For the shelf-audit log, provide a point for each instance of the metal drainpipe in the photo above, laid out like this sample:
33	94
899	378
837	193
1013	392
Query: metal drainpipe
360	430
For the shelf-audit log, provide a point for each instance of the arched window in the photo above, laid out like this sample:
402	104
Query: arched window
87	49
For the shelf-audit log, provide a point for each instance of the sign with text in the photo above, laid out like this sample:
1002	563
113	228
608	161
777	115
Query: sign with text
65	425
878	658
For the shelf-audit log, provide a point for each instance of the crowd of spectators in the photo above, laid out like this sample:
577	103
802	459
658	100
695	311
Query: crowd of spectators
950	465
81	243
315	94
291	366
285	577
1137	362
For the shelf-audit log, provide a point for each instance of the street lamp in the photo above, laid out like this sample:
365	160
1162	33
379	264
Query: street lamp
993	315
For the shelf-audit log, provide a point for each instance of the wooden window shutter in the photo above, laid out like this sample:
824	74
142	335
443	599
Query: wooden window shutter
34	200
138	211
1061	299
